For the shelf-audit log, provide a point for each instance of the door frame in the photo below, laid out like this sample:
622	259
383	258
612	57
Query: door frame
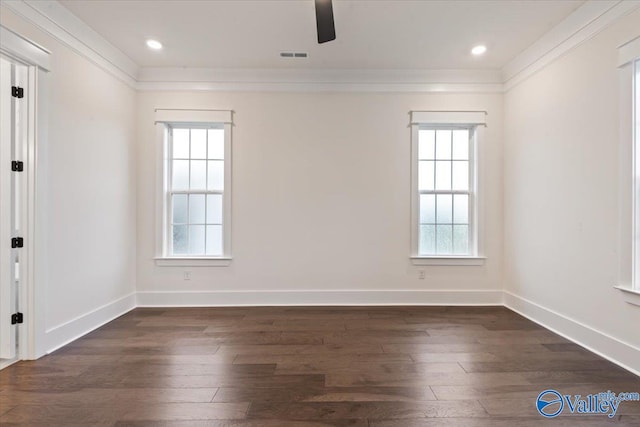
33	216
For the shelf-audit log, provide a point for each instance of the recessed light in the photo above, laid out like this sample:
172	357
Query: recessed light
479	50
154	44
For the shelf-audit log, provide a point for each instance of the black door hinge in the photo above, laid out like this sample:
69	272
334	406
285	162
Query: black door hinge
17	92
17	166
17	242
17	318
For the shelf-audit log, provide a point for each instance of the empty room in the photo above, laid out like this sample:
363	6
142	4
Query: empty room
292	213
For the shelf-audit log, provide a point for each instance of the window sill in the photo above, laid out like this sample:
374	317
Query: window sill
632	296
192	262
448	260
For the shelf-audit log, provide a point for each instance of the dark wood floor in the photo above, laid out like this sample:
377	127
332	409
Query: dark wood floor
309	366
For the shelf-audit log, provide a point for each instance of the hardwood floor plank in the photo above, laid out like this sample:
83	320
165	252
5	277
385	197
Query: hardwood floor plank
217	381
462	348
184	411
327	350
348	367
356	358
341	410
535	365
111	397
453	357
35	414
245	423
326	394
431	379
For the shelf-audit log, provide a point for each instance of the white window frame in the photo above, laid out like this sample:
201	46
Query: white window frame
629	203
165	120
635	284
475	121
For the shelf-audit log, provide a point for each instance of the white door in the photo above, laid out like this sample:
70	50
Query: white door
13	128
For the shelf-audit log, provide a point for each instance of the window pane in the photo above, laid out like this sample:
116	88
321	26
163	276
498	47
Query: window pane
443	144
460	175
196	209
461	239
214	209
216	175
196	239
198	174
180	241
427	209
443	175
461	209
214	240
198	143
444	239
427	245
216	144
461	144
444	209
426	144
180	179
425	175
180	209
180	143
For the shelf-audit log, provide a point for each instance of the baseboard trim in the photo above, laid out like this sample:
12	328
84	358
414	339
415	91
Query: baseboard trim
311	298
62	335
622	354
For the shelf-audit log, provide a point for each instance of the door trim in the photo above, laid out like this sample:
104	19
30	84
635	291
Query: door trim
33	274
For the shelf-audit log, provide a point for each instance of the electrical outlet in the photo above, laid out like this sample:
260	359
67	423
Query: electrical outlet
187	275
421	274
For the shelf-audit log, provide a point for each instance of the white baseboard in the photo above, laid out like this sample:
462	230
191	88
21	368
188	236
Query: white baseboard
61	335
351	297
622	354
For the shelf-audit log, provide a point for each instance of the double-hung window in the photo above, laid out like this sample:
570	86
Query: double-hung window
445	187
195	198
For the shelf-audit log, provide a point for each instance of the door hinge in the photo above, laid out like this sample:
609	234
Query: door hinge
17	166
17	318
17	92
17	242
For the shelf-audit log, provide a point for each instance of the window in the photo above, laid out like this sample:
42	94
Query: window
196	191
629	155
444	211
636	145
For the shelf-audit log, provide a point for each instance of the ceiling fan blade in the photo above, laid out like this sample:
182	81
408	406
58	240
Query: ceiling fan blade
324	21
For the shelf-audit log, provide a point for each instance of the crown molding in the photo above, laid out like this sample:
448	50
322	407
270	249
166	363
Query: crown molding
347	80
57	21
584	23
320	87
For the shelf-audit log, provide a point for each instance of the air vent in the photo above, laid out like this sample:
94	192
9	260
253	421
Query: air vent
293	54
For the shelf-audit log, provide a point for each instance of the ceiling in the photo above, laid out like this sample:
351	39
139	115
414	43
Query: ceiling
384	34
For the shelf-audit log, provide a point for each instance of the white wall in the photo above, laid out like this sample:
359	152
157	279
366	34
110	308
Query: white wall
320	199
91	217
561	180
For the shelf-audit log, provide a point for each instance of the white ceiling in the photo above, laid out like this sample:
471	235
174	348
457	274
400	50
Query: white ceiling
385	34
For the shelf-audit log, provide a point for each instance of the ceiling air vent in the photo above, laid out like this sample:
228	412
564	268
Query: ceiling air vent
293	54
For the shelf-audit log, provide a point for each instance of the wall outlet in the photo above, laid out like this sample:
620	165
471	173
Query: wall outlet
421	274
187	275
